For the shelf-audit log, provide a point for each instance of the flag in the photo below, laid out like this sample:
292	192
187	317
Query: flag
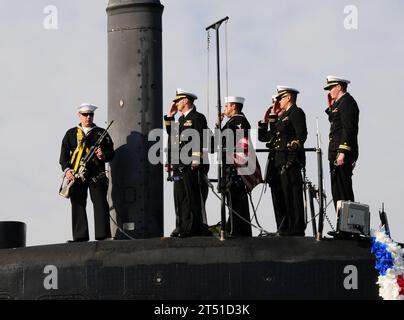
247	165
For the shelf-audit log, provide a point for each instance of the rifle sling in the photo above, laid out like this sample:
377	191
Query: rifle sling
78	153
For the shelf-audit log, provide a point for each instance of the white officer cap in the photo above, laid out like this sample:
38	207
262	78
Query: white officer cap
181	93
86	107
333	80
233	99
283	90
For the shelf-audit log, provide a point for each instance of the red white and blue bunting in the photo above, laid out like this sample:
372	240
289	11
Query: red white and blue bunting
390	264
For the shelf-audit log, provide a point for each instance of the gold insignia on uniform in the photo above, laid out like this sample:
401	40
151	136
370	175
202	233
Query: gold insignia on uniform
285	119
344	147
188	123
296	142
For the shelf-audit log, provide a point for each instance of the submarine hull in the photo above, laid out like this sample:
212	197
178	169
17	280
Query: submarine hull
191	269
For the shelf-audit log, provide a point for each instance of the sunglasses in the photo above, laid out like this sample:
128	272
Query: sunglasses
87	114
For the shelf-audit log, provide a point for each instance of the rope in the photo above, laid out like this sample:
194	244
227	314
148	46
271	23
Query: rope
208	73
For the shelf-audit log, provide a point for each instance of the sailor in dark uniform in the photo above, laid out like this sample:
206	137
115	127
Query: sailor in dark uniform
76	143
271	178
343	114
286	134
188	164
238	126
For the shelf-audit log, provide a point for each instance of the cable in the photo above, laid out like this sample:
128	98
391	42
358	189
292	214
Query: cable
329	202
119	228
325	215
255	213
227	58
263	189
307	181
262	233
329	222
235	212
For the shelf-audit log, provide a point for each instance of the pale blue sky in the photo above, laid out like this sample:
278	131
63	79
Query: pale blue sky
47	73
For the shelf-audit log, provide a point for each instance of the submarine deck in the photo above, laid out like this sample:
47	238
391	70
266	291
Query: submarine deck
258	268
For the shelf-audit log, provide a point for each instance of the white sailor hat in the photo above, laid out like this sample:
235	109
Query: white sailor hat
86	107
181	93
333	80
283	90
233	99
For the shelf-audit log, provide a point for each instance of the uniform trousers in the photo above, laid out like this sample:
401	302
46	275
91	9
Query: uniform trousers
278	203
238	201
78	199
291	183
190	192
341	182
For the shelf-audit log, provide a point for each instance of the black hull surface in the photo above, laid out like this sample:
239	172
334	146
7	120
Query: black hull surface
191	268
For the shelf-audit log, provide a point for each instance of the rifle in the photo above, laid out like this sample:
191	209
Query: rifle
64	190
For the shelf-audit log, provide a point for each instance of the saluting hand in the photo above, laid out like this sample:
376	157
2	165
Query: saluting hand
173	110
330	100
267	113
276	107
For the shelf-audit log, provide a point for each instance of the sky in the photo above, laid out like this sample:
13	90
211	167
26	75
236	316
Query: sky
47	73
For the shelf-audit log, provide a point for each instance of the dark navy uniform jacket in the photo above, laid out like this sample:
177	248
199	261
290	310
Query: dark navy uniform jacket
236	123
344	119
193	120
289	128
69	145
